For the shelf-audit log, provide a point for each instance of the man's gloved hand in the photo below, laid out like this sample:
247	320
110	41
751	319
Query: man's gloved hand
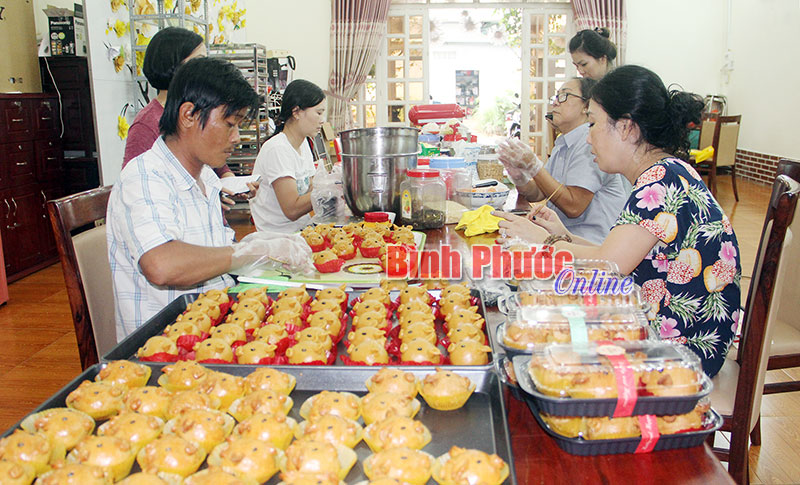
520	161
289	251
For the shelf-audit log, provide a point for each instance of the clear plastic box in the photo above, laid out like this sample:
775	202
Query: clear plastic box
530	329
616	369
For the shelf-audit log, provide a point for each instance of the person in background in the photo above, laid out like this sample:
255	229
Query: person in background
590	199
167	51
592	52
165	228
286	164
672	236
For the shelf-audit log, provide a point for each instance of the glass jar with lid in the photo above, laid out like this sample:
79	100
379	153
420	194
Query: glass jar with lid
422	199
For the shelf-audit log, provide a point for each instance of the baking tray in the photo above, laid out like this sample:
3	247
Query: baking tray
582	447
480	424
561	406
126	349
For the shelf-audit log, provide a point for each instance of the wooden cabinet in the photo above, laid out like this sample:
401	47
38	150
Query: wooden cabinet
69	75
31	172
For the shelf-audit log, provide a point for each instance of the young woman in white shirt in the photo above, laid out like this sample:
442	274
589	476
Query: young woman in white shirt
285	162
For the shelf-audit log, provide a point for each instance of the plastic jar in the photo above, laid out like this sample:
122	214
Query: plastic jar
455	174
422	199
374	219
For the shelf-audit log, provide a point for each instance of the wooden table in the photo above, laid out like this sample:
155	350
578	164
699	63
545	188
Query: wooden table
537	457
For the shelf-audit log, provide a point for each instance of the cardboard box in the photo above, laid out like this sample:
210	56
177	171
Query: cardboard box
19	67
67	31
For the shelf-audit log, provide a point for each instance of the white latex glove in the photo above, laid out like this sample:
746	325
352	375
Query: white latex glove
519	160
289	251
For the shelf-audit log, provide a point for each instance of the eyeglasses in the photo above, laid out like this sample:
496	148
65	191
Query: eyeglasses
562	97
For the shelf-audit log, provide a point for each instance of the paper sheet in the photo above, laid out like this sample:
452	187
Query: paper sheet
238	185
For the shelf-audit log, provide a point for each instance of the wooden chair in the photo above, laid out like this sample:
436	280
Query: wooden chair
721	132
785	348
738	386
81	239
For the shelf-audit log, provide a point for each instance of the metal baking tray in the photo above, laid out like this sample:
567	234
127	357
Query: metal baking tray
582	447
480	424
565	406
127	348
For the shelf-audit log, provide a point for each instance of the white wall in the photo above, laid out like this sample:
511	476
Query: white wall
684	41
300	26
763	84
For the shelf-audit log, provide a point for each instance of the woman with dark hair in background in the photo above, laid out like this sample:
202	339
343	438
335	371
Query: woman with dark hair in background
672	236
168	49
590	199
285	162
592	52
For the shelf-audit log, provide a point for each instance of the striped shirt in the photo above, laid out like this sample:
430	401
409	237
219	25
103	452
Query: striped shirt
154	202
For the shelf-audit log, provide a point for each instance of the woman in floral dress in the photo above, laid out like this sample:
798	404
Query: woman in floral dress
672	235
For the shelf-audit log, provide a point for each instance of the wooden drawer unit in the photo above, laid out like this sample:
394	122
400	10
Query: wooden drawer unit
16	123
20	163
31	173
45	118
49	160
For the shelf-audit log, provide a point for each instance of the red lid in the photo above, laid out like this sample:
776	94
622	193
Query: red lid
423	173
376	217
451	137
423	161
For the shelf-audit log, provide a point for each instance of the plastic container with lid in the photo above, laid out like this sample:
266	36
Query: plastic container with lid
584	268
422	199
373	219
455	175
614	378
533	300
528	330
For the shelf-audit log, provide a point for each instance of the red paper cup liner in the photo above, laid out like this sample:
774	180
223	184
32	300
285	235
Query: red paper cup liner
332	266
357	240
280	360
393	348
214	361
292	329
370	252
160	357
268	360
348	257
237	344
406	362
393	333
249	332
187	356
318	247
282	345
187	342
444	341
226	307
389	238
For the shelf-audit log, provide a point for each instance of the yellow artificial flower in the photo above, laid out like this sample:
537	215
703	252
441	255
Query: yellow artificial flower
169	5
122	127
119	60
144	7
117	4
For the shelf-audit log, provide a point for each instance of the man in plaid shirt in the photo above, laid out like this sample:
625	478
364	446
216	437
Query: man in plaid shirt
166	235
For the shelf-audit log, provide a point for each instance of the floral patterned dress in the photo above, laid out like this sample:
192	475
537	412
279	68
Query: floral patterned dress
691	276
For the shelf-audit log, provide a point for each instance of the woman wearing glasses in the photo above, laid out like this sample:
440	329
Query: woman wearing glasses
672	235
587	199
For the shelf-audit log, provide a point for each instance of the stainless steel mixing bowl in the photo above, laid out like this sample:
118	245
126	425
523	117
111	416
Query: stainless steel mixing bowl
374	163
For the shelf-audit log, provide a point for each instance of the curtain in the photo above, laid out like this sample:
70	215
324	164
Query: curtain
604	13
357	28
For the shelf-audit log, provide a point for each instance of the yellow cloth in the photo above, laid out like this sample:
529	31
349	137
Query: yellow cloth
479	221
702	155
